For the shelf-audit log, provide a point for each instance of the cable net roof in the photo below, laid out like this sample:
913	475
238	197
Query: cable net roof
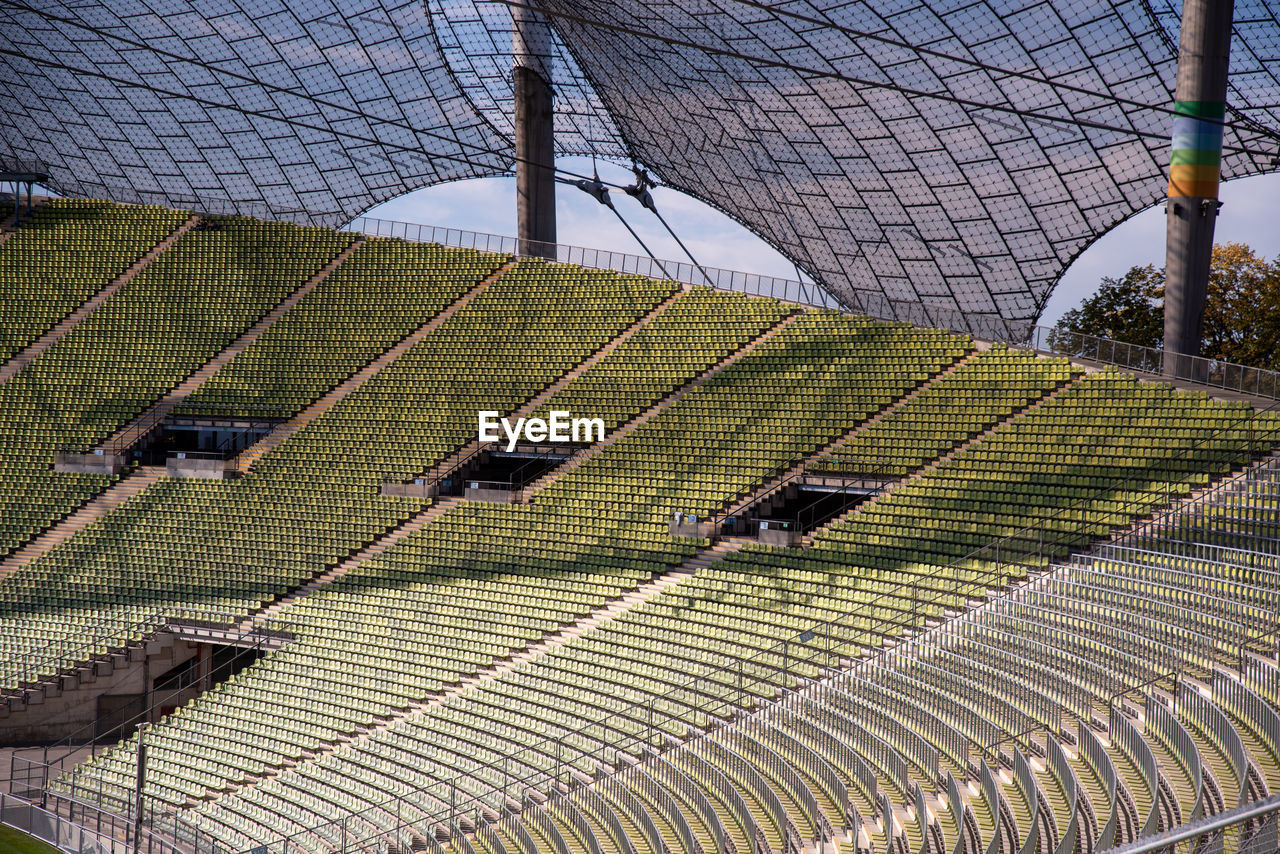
958	154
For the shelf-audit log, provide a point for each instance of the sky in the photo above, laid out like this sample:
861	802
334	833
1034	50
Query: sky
1250	214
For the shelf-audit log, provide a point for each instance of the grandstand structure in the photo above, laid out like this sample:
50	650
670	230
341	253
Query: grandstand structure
830	583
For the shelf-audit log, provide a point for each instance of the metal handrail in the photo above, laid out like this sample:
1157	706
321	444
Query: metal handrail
1261	841
788	472
783	471
790	290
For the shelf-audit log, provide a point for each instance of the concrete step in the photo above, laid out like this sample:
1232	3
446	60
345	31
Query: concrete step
658	407
101	505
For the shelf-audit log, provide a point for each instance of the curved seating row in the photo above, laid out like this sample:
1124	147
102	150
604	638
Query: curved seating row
1023	725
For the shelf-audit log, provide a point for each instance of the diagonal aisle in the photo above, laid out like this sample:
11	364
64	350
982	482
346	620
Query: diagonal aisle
39	345
158	328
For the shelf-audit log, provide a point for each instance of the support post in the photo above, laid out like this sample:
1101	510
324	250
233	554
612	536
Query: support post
205	666
142	776
1194	171
535	134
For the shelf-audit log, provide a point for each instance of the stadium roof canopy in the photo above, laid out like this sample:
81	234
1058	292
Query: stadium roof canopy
952	152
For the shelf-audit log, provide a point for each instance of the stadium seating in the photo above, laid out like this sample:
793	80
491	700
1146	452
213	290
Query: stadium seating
655	648
1105	449
699	328
69	250
384	291
986	389
428	567
187	305
810	384
230	546
977	659
650	648
1020	685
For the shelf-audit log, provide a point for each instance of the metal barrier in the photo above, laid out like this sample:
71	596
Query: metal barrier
1212	373
612	788
695	796
745	773
902	707
1209	719
63	821
887	671
959	640
790	290
818	766
1245	705
922	818
1170	732
885	807
992	716
1129	740
490	839
49	827
1247	829
727	794
514	827
1029	791
882	754
662	800
1060	769
1028	657
1262	676
743	741
1099	761
958	808
995	800
591	801
1254	618
547	828
838	751
797	753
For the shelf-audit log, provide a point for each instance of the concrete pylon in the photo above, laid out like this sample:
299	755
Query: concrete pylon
535	133
1194	172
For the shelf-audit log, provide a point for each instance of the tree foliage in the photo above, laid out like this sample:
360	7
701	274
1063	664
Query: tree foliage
1129	309
1241	318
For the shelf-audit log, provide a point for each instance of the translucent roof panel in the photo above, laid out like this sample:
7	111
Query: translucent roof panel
957	154
309	111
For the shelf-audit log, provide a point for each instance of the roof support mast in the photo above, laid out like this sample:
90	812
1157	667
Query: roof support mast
535	137
1194	170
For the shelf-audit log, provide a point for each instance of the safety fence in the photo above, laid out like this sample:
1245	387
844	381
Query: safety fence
1169	731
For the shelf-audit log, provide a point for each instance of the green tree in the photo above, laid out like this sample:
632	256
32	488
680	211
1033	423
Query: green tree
1241	318
1242	311
1129	309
